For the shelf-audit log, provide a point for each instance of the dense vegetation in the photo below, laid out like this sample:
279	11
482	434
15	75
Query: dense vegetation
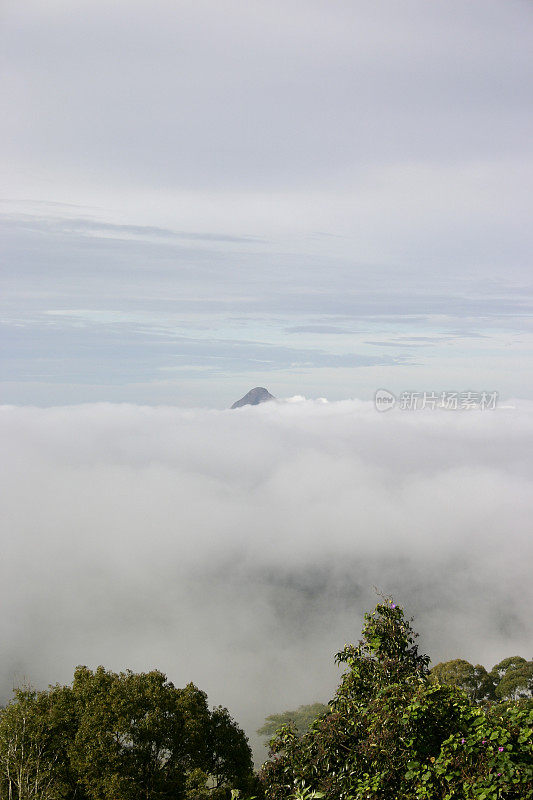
511	679
123	736
394	731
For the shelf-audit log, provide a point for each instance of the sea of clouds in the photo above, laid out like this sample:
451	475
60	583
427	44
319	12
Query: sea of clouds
239	549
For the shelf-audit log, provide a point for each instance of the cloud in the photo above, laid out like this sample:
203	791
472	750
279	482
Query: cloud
90	302
99	229
315	167
238	549
214	94
318	329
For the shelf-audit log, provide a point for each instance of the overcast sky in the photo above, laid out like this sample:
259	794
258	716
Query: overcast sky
324	197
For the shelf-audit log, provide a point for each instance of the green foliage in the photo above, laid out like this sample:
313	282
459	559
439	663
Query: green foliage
395	733
36	731
302	718
237	794
196	785
27	749
513	678
306	794
132	735
473	680
119	736
228	754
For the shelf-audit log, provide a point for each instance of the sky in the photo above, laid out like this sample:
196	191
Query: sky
321	197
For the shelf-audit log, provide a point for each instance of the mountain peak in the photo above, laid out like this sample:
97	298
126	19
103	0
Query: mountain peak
254	397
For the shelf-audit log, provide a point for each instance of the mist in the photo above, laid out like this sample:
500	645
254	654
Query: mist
239	549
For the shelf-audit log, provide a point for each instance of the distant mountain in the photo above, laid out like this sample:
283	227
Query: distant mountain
254	397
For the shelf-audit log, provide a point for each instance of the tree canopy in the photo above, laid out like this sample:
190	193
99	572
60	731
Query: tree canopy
511	679
473	680
119	736
301	718
394	732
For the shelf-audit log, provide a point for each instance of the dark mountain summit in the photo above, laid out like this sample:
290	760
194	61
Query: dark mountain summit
254	397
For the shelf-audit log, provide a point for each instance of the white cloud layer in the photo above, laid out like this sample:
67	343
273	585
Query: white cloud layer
238	549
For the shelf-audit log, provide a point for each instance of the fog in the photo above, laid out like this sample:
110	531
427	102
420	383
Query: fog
239	549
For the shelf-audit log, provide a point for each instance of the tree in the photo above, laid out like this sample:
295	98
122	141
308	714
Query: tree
302	718
393	734
32	747
473	680
119	736
513	678
229	757
132	736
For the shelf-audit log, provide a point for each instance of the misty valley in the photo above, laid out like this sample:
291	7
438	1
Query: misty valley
394	730
215	561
